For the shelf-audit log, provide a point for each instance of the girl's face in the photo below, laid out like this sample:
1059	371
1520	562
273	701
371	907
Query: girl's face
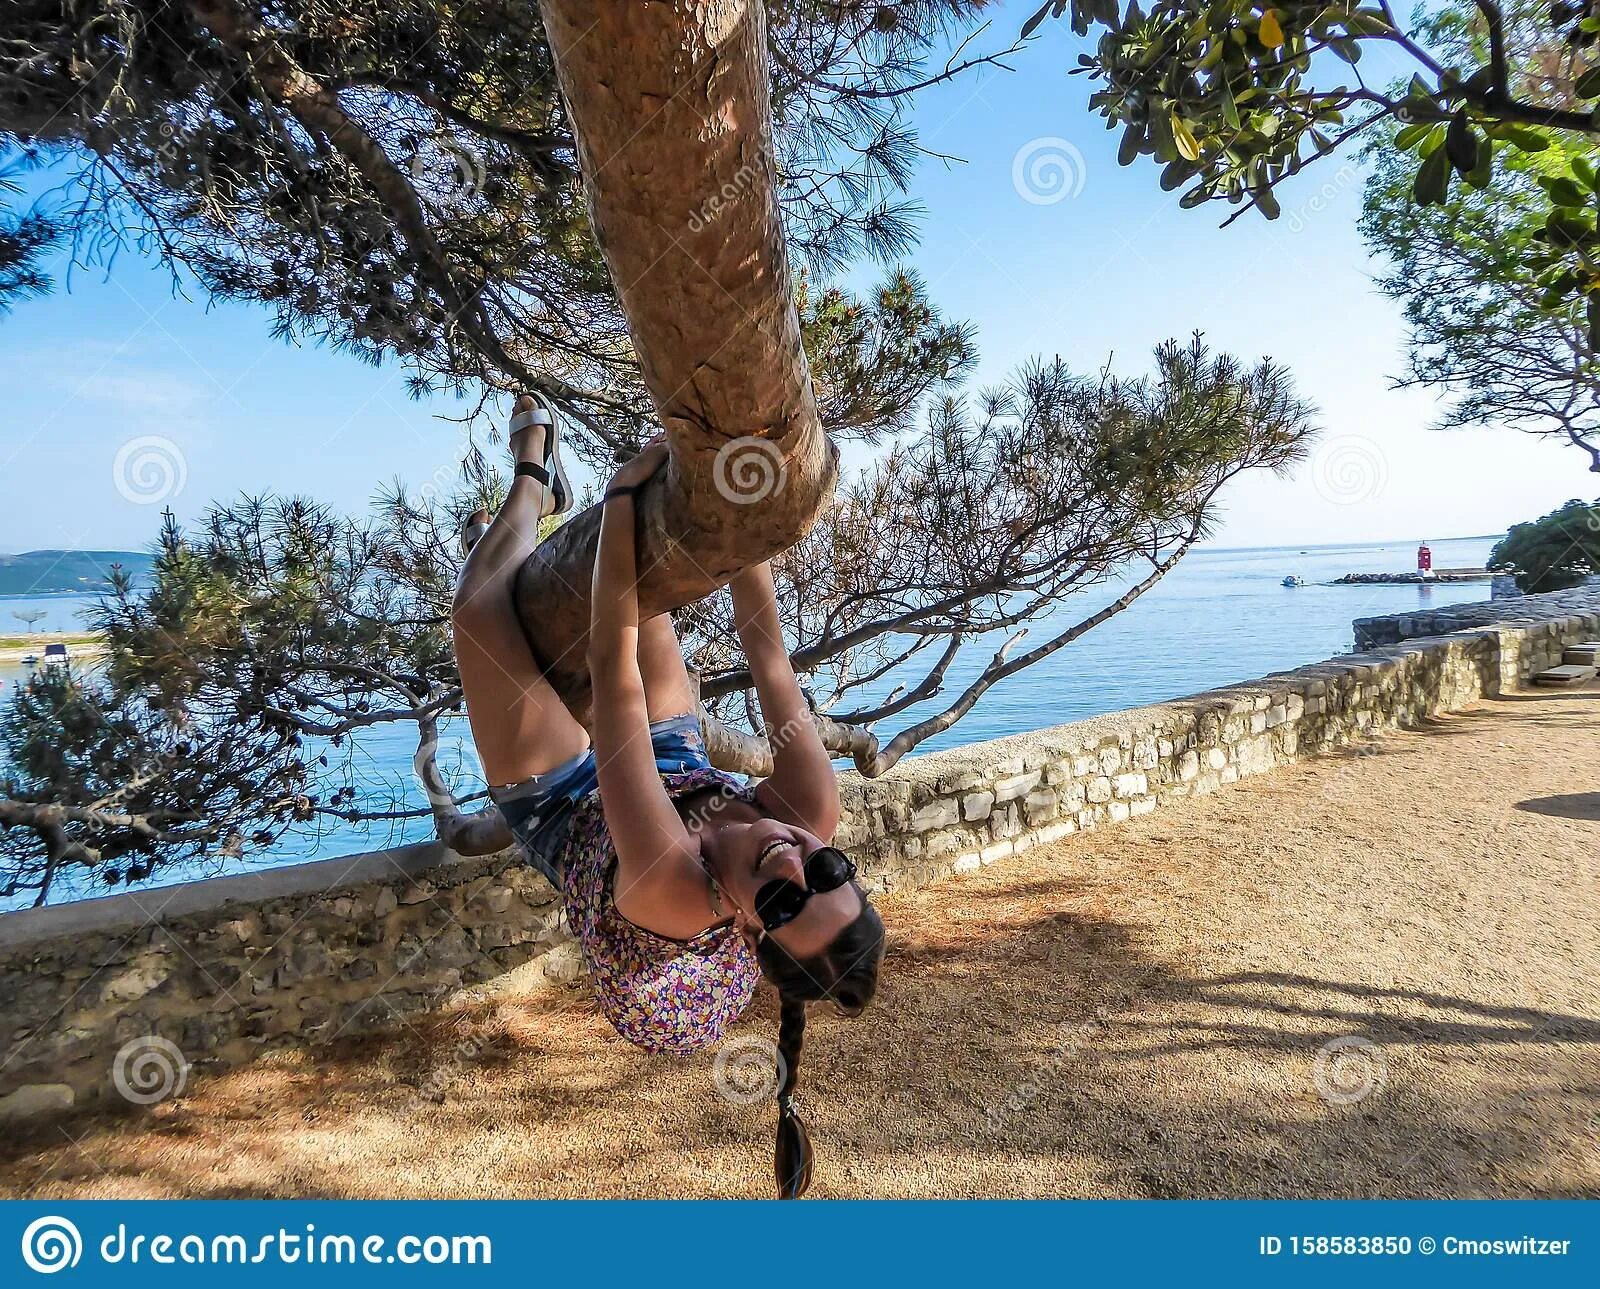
747	853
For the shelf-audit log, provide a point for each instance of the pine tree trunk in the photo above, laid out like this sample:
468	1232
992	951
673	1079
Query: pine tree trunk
669	104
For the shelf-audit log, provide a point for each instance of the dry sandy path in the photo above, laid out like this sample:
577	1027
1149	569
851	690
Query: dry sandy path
1135	1012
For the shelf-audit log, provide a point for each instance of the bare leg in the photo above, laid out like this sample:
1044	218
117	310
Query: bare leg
519	725
667	691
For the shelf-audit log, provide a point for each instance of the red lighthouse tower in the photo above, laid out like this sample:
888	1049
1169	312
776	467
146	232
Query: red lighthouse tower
1425	561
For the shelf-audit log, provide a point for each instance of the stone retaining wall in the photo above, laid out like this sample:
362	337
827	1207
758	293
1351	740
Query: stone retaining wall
1396	627
225	969
115	996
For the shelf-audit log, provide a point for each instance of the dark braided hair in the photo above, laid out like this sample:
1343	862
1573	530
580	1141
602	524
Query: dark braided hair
846	973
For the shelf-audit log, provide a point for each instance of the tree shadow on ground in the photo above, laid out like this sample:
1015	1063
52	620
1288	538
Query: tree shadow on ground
1570	805
1589	693
1129	1075
1374	1013
1511	709
1025	1043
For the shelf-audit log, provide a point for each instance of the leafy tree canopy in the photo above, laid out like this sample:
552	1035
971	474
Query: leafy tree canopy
1484	326
1551	553
401	178
1231	97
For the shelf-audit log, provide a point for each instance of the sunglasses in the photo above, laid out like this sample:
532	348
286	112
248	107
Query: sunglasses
780	901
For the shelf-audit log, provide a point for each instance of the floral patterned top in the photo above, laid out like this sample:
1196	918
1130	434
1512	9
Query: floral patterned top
665	995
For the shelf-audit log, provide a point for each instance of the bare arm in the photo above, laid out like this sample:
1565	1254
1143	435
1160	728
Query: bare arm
802	787
653	847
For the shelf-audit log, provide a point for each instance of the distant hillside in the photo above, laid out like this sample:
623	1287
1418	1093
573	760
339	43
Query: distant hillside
49	572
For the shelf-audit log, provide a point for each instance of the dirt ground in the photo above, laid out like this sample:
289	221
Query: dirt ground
1142	1011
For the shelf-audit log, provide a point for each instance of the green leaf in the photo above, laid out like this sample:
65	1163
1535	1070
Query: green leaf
1461	144
1161	135
1588	85
1558	290
1132	141
1568	228
1409	136
1230	109
1585	170
1433	179
1176	174
1364	22
1033	22
1564	191
1522	137
1267	203
1482	173
1183	137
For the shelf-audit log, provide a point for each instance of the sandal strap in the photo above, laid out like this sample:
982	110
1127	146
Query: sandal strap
534	472
533	416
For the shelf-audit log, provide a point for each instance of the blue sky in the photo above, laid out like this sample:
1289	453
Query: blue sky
1112	267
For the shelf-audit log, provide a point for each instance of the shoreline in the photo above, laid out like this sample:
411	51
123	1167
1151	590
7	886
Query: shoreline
81	645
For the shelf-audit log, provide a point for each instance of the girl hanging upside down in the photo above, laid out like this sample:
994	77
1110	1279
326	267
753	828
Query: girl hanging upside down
680	882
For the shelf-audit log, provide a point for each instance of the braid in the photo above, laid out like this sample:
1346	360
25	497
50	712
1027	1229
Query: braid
846	973
792	1165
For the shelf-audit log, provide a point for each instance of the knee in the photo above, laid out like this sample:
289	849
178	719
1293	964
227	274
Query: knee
478	600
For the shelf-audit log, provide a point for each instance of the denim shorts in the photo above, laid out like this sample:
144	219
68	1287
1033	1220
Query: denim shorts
539	810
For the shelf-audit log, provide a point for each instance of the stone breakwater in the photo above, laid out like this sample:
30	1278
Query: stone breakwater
118	999
1406	579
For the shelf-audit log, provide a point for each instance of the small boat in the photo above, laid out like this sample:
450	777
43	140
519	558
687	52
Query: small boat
1292	580
30	660
55	655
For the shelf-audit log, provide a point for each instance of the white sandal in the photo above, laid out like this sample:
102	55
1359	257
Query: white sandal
551	474
473	530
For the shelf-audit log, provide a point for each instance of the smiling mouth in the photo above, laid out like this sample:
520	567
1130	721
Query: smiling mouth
776	844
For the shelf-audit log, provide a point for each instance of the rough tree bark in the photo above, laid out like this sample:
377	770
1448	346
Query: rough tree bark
669	104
